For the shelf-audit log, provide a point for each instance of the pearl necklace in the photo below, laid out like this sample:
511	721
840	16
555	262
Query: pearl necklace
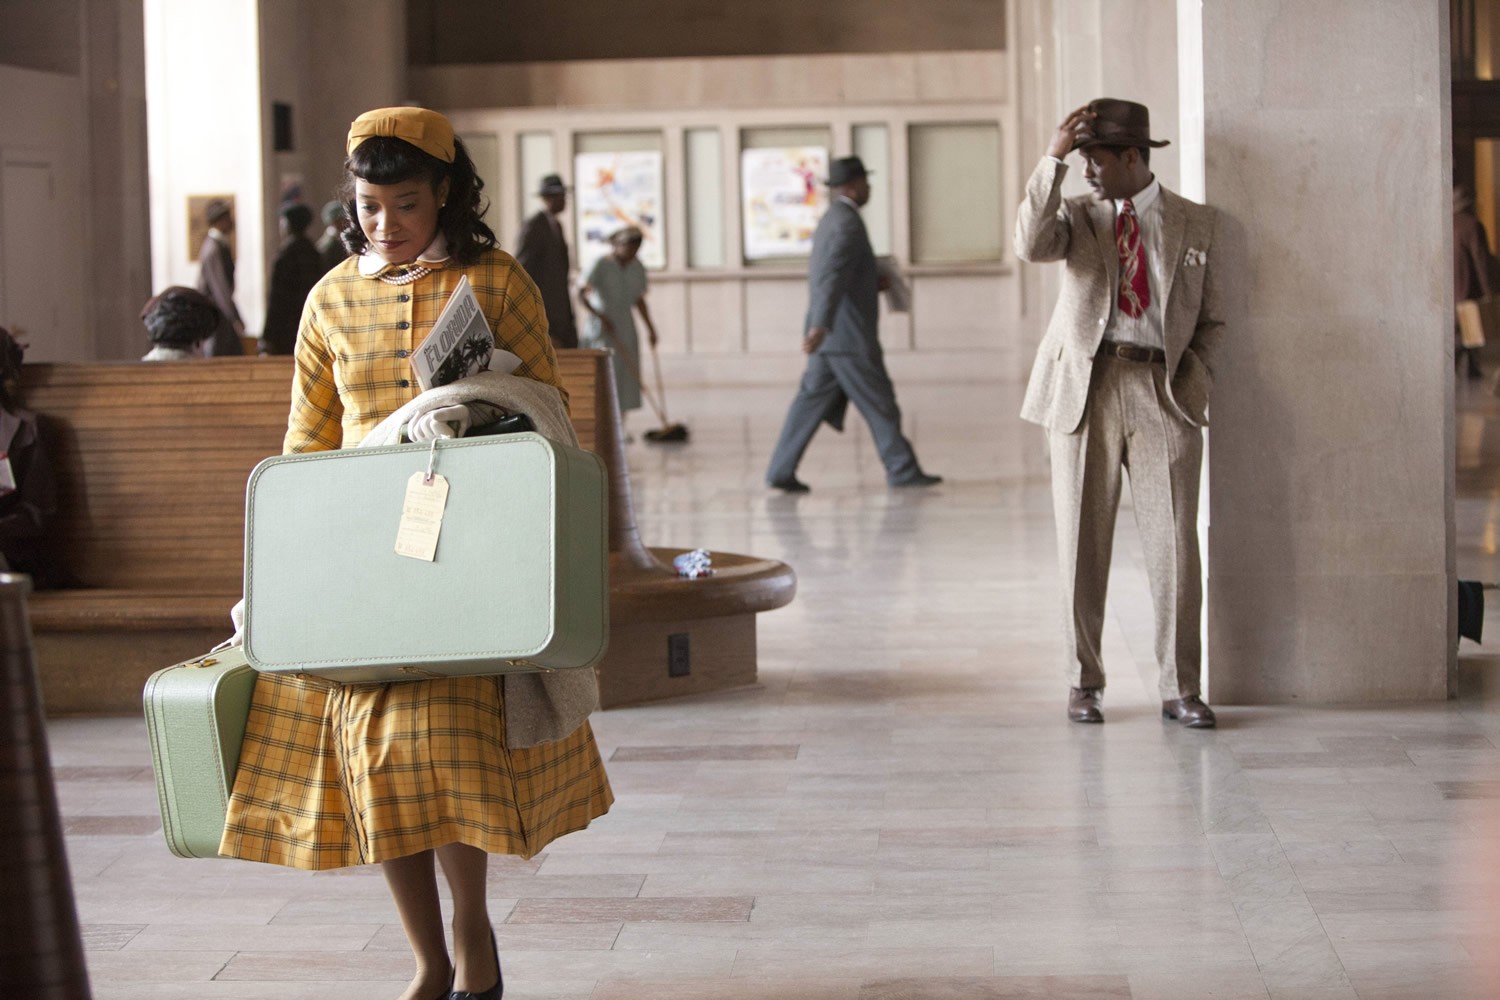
406	277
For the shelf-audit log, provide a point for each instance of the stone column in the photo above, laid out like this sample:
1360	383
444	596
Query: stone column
114	73
1327	150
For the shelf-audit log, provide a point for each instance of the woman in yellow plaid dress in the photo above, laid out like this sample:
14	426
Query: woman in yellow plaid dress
419	773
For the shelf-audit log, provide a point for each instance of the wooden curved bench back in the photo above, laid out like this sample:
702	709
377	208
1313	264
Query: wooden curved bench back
151	460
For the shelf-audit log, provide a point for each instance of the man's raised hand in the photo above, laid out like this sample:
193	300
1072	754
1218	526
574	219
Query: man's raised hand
1067	132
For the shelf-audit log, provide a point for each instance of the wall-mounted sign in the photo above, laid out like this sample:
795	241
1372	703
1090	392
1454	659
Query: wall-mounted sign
783	199
615	190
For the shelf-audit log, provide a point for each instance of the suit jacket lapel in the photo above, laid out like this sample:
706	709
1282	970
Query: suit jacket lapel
1173	231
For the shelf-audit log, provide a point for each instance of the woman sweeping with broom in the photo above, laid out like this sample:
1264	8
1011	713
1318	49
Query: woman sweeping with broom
615	285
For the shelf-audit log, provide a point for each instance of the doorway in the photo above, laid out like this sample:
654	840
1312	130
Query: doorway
34	304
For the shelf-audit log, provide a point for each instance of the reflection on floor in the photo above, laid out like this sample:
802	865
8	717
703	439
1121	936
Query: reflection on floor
899	809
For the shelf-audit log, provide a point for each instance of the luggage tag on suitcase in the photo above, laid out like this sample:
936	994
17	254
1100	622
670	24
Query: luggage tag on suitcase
422	513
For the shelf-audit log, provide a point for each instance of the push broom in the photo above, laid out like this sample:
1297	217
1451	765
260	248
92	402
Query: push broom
668	432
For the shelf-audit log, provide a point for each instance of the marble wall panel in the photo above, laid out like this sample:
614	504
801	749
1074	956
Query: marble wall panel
949	76
667	301
775	310
964	312
893	77
716	320
895	331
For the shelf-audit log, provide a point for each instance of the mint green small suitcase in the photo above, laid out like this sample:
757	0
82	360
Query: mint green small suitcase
195	717
519	581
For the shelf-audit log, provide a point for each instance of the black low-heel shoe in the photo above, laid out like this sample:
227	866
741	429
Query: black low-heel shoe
494	992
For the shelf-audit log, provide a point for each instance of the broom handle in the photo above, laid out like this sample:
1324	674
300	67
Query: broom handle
661	392
635	369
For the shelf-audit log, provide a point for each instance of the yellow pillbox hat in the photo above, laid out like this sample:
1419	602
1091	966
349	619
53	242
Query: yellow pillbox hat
427	130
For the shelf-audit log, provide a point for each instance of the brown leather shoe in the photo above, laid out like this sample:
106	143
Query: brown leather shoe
1083	704
1190	711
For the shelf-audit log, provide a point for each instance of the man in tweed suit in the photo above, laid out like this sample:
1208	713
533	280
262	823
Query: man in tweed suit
841	338
1122	380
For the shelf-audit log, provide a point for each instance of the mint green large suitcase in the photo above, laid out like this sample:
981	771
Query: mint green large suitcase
195	717
519	582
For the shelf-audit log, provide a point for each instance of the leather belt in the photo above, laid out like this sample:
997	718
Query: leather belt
1132	352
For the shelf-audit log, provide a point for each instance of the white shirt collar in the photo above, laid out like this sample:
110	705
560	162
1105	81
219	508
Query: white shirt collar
1142	200
848	201
371	264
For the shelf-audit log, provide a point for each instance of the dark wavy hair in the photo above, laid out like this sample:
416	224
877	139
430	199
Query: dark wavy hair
180	317
388	160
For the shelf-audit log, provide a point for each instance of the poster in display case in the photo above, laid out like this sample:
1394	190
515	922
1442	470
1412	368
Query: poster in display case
615	190
783	199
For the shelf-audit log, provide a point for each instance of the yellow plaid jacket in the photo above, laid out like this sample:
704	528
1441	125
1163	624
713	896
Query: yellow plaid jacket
354	346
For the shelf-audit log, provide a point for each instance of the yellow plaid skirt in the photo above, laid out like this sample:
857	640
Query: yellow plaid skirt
333	775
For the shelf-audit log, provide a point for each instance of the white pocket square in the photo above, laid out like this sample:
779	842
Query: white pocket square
1195	258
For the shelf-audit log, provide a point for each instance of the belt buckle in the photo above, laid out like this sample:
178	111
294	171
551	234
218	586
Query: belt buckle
1133	352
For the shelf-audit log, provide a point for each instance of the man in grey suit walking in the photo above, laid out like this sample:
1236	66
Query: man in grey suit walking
845	362
1121	380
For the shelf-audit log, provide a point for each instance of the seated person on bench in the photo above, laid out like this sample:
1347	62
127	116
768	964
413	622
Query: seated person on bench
28	492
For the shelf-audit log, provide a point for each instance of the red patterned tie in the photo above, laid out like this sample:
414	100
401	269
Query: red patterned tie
1135	291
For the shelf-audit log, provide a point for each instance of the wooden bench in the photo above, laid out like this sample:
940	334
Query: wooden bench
151	462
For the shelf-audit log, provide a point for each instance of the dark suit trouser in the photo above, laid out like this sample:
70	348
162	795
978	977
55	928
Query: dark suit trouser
863	379
1127	425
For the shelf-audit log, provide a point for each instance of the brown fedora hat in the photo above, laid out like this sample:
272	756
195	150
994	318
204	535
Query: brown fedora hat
1118	123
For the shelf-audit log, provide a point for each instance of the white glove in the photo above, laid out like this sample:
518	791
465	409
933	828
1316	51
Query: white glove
237	616
444	422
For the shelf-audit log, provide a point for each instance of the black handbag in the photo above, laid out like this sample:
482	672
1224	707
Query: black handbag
511	423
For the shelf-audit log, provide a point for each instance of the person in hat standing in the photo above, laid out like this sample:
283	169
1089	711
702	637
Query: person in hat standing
1122	380
543	252
331	250
296	270
216	278
841	338
28	487
1472	268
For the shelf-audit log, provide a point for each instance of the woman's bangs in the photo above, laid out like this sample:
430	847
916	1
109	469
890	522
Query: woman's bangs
384	160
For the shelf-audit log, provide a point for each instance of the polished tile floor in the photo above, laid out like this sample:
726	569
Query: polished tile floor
898	809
